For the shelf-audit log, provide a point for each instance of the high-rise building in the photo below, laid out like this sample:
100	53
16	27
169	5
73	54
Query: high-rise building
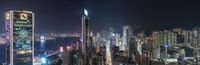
85	37
195	38
161	38
127	34
154	44
192	40
167	38
117	39
187	37
20	37
191	37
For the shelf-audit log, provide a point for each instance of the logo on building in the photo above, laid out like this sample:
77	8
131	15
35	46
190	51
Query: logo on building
23	16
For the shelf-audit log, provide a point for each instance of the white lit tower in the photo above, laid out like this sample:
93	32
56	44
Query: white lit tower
85	37
124	43
127	34
20	37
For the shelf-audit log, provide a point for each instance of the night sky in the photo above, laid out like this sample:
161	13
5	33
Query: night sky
65	16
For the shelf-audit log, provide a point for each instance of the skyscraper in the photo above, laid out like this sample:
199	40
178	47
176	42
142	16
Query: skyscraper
162	38
127	35
20	37
85	36
195	38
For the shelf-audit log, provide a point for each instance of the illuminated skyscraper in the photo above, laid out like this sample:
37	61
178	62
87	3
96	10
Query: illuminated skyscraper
127	35
20	37
85	36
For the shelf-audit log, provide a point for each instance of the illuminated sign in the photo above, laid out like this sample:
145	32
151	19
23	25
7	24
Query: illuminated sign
22	34
23	16
85	12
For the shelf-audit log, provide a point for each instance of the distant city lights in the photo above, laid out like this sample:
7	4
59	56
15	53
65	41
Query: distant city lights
68	47
61	49
21	52
42	39
24	51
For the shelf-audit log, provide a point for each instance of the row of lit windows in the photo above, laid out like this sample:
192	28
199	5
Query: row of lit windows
19	25
22	22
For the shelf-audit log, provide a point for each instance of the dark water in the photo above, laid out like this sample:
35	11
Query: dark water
48	45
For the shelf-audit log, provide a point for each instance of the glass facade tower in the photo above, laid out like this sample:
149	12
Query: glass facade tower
20	37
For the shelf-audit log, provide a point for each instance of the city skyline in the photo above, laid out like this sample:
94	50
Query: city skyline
65	16
100	32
